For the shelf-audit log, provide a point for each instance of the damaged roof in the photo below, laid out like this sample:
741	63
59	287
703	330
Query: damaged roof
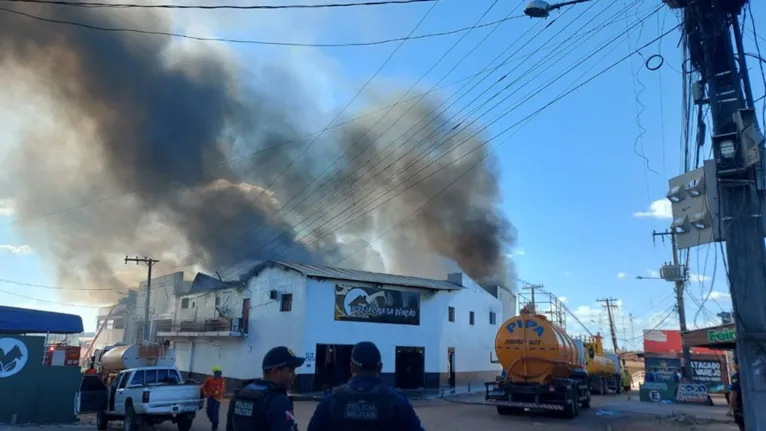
330	273
204	283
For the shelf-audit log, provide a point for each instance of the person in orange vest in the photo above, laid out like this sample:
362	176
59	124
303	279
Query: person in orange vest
212	389
91	371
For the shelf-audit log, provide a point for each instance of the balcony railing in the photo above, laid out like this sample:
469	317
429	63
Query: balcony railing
189	328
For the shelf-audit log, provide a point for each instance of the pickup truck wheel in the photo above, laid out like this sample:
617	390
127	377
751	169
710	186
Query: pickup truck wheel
185	423
130	422
102	421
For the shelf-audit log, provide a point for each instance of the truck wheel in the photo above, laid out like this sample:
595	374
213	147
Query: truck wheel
586	404
130	422
571	409
102	421
185	423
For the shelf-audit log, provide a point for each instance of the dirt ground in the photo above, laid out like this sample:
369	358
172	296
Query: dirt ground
459	414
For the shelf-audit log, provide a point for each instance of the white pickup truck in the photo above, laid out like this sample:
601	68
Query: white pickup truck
140	396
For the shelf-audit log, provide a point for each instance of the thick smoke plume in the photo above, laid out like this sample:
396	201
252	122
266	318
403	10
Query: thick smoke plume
188	154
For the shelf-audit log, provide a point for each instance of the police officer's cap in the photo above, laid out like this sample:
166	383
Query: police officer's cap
281	357
366	356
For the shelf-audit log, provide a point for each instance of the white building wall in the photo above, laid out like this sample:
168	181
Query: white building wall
201	307
162	300
435	333
241	358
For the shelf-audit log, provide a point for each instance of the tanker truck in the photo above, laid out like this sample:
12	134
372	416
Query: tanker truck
542	369
603	368
147	389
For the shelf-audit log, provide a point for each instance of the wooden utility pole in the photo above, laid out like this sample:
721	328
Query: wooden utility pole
150	263
678	276
609	304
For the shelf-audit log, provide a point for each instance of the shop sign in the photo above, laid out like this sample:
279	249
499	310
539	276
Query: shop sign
725	335
708	372
692	393
376	305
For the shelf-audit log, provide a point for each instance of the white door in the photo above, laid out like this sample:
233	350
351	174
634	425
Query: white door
120	394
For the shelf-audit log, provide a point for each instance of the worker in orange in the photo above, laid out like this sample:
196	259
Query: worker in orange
91	371
212	389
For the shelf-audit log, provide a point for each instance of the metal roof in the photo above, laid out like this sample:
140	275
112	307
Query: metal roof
327	272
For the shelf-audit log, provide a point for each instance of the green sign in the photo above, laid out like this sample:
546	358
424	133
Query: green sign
725	335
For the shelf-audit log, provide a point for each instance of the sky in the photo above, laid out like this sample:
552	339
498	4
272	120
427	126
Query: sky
583	181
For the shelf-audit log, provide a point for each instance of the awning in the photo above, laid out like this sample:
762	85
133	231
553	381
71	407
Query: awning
25	321
723	337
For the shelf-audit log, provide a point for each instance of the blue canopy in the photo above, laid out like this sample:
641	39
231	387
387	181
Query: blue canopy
15	320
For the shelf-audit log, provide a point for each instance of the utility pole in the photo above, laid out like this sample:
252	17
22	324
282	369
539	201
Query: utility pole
678	275
609	304
725	317
150	263
632	329
740	183
532	288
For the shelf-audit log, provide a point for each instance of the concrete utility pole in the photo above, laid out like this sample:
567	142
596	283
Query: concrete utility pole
739	168
532	288
150	263
677	274
609	304
632	329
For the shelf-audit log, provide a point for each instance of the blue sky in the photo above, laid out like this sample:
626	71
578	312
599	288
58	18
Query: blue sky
581	198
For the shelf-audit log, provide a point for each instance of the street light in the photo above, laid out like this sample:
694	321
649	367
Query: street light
542	9
638	277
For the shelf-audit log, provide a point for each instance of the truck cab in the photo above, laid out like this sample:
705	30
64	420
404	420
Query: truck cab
140	396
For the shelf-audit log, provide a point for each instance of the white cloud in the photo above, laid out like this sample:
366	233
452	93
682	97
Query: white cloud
698	278
7	207
653	273
658	209
563	299
16	249
520	252
567	273
719	295
621	275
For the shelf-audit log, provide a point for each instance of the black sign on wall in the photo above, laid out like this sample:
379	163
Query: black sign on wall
375	305
708	372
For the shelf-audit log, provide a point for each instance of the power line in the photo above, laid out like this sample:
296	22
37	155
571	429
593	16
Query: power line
210	7
49	302
526	119
249	41
43	286
424	154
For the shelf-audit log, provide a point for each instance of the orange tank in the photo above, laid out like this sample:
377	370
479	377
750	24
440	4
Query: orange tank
532	349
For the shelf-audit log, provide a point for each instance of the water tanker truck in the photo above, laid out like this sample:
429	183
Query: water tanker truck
604	371
543	369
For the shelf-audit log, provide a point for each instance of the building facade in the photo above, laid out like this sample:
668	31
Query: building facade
431	333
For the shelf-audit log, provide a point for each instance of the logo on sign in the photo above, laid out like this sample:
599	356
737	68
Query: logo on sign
13	356
692	393
529	324
655	396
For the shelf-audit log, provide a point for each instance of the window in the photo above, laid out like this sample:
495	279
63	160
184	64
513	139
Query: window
286	302
217	301
123	380
451	313
492	318
470	317
185	303
138	378
119	323
110	324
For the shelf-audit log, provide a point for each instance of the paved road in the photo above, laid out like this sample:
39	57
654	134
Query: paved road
459	415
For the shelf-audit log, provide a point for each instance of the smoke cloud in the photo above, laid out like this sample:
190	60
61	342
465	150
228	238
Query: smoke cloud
190	156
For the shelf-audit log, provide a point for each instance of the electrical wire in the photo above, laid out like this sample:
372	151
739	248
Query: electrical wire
760	63
464	128
372	141
50	302
329	201
493	138
249	41
20	283
87	4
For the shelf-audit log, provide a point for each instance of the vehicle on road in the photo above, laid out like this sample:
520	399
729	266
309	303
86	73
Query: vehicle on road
604	370
543	370
148	390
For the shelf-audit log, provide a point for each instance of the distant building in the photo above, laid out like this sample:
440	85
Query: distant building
431	333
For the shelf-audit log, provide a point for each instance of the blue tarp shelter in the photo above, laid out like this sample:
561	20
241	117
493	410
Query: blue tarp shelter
15	320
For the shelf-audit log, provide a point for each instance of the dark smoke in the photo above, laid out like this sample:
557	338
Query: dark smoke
125	114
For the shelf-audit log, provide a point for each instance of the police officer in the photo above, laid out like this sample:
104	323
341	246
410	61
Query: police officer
262	404
735	400
365	403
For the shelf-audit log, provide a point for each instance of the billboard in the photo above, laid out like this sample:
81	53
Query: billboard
707	372
376	305
669	341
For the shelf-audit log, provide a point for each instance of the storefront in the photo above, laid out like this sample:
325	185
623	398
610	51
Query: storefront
722	337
